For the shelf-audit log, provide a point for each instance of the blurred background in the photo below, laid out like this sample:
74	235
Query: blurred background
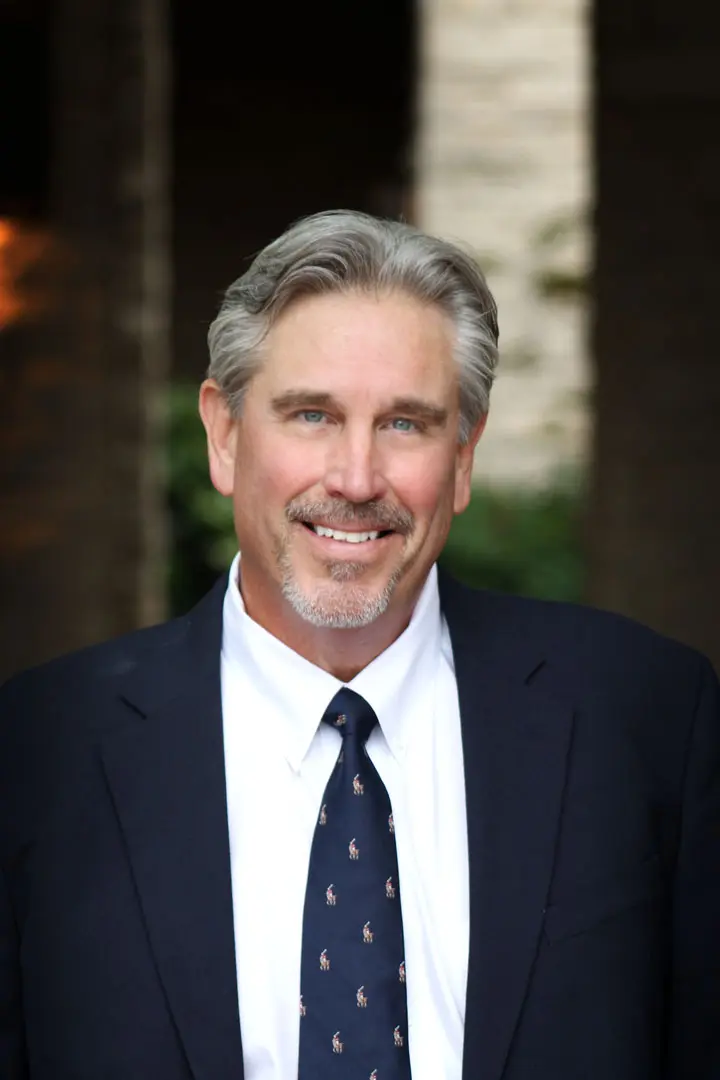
148	148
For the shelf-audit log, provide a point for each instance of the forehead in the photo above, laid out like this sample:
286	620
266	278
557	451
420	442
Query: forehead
351	339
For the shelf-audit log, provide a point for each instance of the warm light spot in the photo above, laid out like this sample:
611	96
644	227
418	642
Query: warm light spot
21	248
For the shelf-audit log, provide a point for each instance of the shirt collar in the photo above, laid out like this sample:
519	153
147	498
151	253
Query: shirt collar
299	692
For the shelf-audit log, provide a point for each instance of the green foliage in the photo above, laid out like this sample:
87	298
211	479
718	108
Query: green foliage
518	541
203	539
561	285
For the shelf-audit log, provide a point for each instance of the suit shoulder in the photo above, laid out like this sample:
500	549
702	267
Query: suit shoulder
48	711
589	637
593	627
93	665
83	690
52	715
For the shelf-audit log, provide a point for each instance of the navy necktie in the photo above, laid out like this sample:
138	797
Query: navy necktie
353	1005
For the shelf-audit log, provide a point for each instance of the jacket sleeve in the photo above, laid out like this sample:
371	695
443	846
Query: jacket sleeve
694	1028
13	1061
13	1053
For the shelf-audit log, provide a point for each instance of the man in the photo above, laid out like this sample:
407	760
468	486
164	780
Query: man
348	818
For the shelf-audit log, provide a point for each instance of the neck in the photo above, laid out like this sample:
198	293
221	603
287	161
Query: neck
344	653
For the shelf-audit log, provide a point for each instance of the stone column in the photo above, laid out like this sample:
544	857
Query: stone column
502	165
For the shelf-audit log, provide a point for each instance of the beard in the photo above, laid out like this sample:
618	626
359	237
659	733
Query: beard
343	602
338	604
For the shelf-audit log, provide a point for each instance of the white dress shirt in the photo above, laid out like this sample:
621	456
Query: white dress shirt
278	759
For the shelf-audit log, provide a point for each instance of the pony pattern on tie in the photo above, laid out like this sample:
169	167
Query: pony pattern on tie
353	1003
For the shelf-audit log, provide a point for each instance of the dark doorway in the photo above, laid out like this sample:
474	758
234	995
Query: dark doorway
280	110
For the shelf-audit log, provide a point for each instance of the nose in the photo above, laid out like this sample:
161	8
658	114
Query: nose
354	470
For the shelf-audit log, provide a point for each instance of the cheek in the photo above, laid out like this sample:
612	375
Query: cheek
427	491
268	476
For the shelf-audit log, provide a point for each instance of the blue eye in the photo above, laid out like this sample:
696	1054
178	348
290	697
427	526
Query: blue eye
400	423
312	416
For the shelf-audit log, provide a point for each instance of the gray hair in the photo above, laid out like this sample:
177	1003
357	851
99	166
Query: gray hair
344	251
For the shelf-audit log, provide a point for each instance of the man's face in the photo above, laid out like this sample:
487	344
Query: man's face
344	466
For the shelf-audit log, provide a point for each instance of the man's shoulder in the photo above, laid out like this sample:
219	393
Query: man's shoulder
80	680
98	664
567	634
54	718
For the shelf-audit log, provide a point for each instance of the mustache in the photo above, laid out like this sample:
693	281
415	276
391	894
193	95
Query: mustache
338	512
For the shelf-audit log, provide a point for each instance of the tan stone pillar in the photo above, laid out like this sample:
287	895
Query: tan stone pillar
502	164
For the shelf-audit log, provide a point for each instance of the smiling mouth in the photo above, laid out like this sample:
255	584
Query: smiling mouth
347	537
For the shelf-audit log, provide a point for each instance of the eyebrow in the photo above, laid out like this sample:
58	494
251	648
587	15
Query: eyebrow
434	415
300	399
431	414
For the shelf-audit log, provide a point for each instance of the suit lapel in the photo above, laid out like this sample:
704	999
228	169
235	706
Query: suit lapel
167	779
515	749
166	775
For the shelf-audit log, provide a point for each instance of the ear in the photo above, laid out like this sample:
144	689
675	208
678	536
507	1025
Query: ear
464	467
221	430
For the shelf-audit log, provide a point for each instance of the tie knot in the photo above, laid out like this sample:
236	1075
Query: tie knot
351	715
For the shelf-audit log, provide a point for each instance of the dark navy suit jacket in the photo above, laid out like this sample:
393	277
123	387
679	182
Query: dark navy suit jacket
592	760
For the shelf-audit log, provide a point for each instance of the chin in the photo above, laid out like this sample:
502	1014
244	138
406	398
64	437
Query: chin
342	604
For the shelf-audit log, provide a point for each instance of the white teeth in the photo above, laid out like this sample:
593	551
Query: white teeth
350	537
